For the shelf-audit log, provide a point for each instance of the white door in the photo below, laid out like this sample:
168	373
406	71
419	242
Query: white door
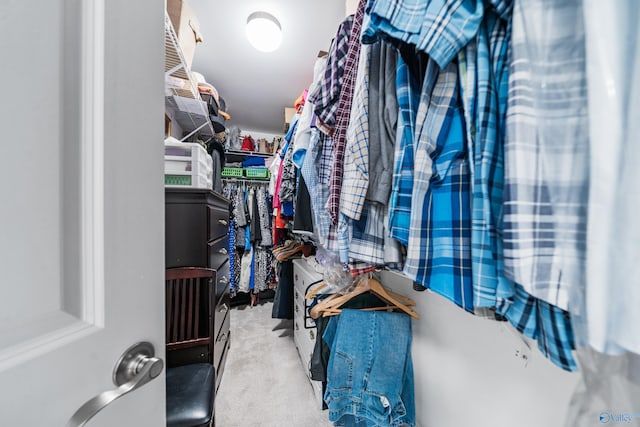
82	209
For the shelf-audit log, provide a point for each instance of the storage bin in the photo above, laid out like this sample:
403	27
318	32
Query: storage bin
188	181
232	172
187	165
257	172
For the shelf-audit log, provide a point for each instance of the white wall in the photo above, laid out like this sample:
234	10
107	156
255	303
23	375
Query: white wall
466	372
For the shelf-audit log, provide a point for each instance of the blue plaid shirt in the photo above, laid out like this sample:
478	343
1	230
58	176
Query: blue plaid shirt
439	250
483	67
439	27
546	323
408	94
318	189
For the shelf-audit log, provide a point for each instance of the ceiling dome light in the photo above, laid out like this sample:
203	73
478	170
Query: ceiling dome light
264	31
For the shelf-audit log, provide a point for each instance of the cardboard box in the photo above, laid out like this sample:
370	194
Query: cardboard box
289	112
186	26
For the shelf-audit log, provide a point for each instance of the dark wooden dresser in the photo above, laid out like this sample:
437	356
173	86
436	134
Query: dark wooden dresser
197	235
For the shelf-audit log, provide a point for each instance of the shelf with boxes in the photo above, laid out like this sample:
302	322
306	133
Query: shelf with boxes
255	172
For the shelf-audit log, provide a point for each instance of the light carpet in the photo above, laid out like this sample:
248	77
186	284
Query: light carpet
264	383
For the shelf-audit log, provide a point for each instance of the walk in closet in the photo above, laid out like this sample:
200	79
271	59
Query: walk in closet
365	213
399	191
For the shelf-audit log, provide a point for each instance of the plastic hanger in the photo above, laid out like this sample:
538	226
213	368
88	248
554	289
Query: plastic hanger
331	305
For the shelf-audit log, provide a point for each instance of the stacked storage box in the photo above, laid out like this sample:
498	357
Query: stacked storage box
187	165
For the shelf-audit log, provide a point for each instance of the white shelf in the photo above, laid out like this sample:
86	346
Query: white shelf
191	114
175	64
183	98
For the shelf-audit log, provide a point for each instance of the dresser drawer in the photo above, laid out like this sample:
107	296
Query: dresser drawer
305	348
220	344
305	337
221	312
222	280
185	235
218	221
218	251
304	276
223	360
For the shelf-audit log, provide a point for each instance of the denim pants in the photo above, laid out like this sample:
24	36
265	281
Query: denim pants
370	373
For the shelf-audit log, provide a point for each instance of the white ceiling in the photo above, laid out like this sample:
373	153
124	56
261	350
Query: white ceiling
258	86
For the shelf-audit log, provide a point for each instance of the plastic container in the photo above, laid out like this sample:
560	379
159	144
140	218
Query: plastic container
232	172
187	165
257	172
186	181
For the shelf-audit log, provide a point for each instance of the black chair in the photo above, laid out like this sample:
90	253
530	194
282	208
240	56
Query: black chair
190	380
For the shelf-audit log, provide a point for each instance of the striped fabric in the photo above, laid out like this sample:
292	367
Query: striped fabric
440	28
483	67
356	156
343	114
549	325
326	95
439	250
367	235
408	94
318	190
546	151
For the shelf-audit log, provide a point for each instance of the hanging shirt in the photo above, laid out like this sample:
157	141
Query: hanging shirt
302	136
356	157
265	217
318	189
546	151
440	28
367	235
548	324
383	110
484	67
439	250
325	97
612	292
408	95
344	113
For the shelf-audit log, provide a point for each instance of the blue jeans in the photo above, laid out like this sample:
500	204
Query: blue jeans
370	373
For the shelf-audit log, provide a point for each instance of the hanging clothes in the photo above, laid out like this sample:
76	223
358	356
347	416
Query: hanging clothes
250	245
283	299
326	95
547	151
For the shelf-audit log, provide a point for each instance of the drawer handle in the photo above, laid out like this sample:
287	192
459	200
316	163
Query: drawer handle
295	294
297	309
312	335
297	327
224	308
223	222
223	251
224	280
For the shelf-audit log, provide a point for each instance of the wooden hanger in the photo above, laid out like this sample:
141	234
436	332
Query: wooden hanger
331	305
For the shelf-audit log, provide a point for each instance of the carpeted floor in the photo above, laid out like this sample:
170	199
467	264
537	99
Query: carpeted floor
264	383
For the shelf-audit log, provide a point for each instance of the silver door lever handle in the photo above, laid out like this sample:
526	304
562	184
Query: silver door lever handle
136	367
